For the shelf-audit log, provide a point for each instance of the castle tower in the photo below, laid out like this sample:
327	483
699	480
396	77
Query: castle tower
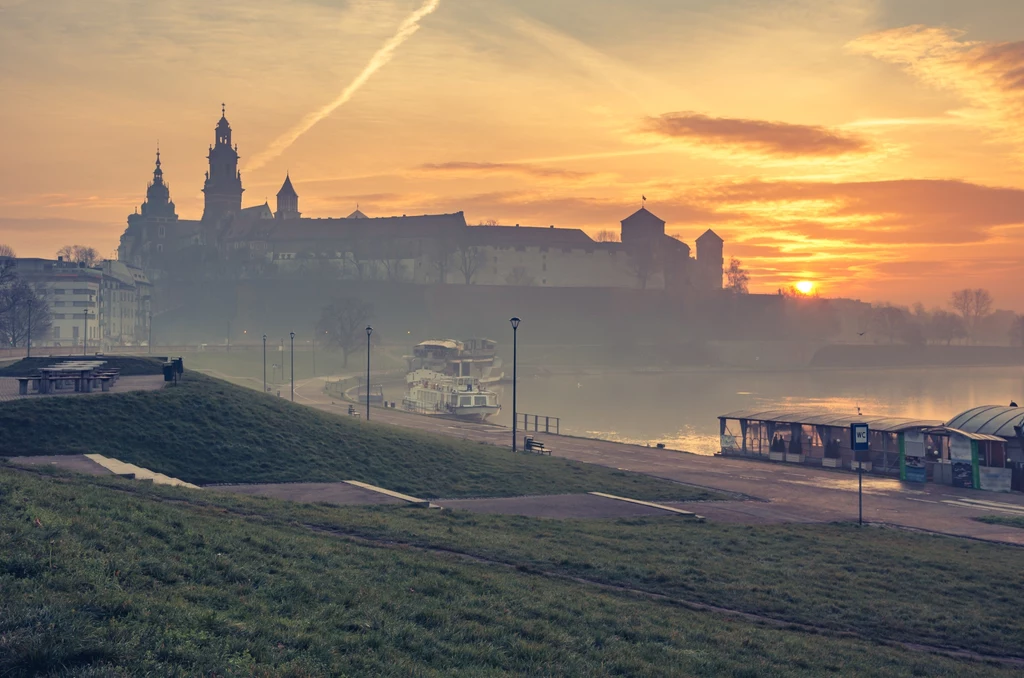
287	201
223	187
642	226
158	195
710	260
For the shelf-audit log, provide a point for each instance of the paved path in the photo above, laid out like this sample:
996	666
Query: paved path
330	493
149	382
791	492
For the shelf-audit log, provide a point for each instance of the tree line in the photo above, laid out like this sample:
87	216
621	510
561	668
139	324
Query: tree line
24	313
970	318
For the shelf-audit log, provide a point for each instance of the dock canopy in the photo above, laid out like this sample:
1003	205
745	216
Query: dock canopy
993	420
826	418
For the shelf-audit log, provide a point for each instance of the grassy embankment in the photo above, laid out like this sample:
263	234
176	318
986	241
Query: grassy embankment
207	431
1012	521
108	577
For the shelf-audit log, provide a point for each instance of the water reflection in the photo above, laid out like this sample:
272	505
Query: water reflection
681	410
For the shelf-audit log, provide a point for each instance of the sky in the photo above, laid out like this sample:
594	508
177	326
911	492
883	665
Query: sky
871	146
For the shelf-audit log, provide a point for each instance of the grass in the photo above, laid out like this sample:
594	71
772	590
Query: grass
129	365
110	578
1012	521
208	431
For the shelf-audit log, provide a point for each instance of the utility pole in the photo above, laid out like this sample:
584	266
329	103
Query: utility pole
293	366
28	339
264	363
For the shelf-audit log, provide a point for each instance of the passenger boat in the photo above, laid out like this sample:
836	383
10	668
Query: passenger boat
445	378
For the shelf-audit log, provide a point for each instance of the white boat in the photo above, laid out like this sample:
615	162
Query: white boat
437	393
469	358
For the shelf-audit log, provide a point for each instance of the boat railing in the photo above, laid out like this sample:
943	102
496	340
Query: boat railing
538	423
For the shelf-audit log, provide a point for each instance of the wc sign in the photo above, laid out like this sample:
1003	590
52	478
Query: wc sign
859	437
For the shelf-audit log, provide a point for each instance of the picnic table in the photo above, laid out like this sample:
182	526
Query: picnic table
82	373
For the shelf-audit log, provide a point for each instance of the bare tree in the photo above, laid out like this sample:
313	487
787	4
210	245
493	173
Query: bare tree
343	323
79	254
736	277
469	259
889	321
519	276
391	259
25	314
1017	331
440	253
488	222
946	326
644	262
7	251
972	305
607	236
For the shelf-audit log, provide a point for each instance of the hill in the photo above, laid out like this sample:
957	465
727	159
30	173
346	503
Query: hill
104	577
207	431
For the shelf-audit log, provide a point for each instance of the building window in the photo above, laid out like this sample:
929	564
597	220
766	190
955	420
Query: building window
82	292
56	330
159	248
162	232
59	303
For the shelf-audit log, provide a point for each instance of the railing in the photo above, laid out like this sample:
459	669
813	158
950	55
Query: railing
538	423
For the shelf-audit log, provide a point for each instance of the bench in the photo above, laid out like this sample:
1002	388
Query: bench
352	411
535	446
23	383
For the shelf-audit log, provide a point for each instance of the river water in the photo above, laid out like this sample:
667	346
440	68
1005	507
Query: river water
682	409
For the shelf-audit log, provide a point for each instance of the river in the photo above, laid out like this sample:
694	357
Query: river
681	409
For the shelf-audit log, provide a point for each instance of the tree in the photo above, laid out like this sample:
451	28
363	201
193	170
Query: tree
1017	331
972	305
736	277
889	321
519	276
79	254
24	313
946	326
7	251
644	262
469	259
440	251
343	323
607	236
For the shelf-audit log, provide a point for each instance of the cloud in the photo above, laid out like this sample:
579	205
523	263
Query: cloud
906	211
759	136
477	168
989	75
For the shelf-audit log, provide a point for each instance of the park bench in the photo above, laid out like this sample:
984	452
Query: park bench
24	382
352	411
536	446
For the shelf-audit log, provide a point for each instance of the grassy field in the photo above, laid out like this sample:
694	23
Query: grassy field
129	365
106	577
208	431
1012	521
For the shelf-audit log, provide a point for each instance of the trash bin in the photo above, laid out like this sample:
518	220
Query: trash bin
168	371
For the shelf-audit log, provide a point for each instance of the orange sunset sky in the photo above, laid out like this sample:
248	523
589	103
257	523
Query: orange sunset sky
872	146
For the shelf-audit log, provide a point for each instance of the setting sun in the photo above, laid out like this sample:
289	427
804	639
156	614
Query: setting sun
805	287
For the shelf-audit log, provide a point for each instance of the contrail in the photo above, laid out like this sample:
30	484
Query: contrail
380	58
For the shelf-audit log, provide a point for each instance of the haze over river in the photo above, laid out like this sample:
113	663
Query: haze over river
681	409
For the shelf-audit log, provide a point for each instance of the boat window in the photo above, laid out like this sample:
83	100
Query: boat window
480	400
466	401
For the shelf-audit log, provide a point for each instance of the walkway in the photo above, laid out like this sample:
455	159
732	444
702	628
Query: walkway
790	492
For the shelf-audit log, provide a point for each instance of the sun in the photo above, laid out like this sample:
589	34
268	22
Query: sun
805	287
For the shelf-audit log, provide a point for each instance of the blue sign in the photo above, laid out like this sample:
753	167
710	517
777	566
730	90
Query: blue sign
859	437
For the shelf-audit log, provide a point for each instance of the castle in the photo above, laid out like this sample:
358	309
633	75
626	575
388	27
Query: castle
232	241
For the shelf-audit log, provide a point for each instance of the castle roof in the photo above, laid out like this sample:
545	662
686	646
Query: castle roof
710	235
529	236
287	189
643	216
423	226
357	215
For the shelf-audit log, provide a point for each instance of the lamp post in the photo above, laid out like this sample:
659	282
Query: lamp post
85	339
369	331
264	363
515	348
292	334
28	339
149	344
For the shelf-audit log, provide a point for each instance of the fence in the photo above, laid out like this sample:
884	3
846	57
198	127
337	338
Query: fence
537	420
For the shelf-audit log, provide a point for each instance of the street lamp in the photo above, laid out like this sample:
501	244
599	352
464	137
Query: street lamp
515	346
264	363
293	365
369	331
150	342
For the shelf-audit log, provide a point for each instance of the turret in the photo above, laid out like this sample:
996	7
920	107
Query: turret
287	201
